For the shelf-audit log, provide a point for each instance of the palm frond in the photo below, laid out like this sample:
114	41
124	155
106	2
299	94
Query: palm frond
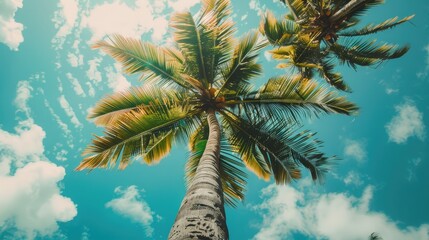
278	33
326	71
293	98
141	57
196	41
371	28
243	66
112	107
232	177
366	53
132	134
283	150
354	8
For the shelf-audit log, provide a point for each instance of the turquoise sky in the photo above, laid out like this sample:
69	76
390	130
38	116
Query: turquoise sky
50	78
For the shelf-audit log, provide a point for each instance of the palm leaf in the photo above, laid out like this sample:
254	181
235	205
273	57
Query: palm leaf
293	98
280	146
242	66
145	58
196	41
278	33
366	53
133	133
370	29
112	107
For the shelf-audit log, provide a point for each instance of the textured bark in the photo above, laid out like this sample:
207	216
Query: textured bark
202	213
345	10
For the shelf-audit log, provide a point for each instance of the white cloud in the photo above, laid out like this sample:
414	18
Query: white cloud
28	135
334	216
69	111
407	123
64	127
76	85
355	149
23	94
91	90
256	5
268	56
423	74
10	30
412	167
31	203
353	178
130	205
75	60
182	5
93	74
64	19
38	182
120	18
115	79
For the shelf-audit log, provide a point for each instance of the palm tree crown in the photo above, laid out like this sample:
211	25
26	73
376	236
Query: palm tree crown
316	32
209	71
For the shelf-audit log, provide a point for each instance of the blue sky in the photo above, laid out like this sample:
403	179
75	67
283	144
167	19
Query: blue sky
50	78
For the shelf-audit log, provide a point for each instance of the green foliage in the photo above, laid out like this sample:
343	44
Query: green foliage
208	70
316	32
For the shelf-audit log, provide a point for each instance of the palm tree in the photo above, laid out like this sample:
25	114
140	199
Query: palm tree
316	32
200	91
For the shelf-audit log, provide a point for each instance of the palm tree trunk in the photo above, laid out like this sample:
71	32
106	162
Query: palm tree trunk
345	10
202	213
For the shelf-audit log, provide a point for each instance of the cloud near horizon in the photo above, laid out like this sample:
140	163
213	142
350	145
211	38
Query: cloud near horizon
335	216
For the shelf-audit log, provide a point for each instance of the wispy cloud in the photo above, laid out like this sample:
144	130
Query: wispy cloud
285	210
355	149
408	122
131	205
69	111
423	74
353	178
76	85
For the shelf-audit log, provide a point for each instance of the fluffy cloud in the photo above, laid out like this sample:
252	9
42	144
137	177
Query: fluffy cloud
327	216
407	123
115	79
10	30
130	205
182	5
64	19
354	149
25	173
125	19
37	181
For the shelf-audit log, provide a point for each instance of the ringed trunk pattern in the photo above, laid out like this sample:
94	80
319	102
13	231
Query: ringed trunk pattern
202	214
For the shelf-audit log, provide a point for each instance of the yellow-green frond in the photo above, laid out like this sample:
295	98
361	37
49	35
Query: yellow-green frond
145	58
